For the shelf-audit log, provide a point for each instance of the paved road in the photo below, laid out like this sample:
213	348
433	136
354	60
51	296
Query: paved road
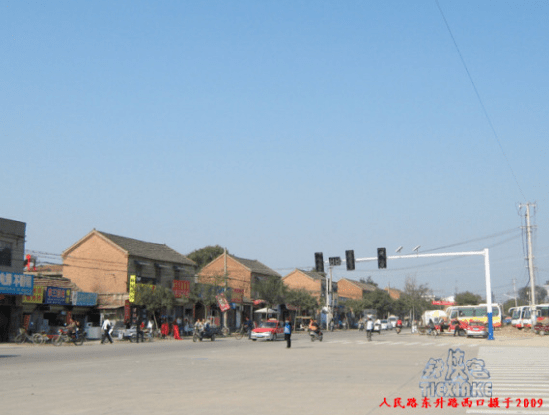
344	374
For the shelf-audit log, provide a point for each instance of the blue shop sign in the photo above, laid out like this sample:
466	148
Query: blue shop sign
83	299
17	284
56	295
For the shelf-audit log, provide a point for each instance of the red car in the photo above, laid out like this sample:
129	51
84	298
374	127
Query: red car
271	329
476	328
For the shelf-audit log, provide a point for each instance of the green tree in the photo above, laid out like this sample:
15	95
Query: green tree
511	303
541	294
467	298
354	306
413	298
301	299
154	298
271	289
379	300
204	256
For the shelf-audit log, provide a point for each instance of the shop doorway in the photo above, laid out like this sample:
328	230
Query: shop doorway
5	316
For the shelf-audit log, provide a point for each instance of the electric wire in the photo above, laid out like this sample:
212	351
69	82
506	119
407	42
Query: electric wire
480	99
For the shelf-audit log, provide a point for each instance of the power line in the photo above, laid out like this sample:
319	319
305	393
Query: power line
479	98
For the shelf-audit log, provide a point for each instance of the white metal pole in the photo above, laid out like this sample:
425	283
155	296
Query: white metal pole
488	294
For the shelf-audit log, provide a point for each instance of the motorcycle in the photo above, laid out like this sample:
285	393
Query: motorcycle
205	334
398	328
315	336
77	337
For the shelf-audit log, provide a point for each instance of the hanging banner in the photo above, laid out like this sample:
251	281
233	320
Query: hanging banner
17	284
59	296
37	296
132	288
222	302
181	288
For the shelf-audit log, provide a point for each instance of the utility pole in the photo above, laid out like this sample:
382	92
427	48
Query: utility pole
530	261
515	290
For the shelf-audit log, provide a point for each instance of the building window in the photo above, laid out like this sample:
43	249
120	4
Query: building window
5	254
157	272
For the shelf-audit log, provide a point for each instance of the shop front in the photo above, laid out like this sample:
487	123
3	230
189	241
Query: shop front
13	286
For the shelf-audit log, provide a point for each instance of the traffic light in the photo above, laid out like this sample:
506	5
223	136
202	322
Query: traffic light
319	262
381	258
350	260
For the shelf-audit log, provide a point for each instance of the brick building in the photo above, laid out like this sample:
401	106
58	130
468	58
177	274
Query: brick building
311	281
103	263
238	274
349	289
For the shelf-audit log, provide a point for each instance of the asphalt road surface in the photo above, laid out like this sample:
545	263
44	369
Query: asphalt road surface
344	374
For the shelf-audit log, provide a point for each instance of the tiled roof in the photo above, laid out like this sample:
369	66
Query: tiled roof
314	275
149	250
51	281
256	266
362	285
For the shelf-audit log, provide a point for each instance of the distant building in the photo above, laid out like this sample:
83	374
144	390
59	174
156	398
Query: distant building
355	290
238	275
311	281
12	252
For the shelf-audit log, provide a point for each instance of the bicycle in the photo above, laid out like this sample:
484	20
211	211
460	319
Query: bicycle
65	338
41	338
23	337
241	332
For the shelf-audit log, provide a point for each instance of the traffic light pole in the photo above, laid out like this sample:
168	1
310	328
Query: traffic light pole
484	253
329	295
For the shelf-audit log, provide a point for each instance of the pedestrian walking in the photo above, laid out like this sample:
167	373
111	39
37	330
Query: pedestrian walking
107	330
288	333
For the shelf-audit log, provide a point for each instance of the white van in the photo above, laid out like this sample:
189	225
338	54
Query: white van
392	322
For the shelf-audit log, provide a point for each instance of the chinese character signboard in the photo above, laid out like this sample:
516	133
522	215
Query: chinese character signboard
222	302
37	296
132	288
16	284
83	299
58	296
181	288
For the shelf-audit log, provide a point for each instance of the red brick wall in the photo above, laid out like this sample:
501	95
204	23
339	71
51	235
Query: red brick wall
238	276
348	290
298	280
96	265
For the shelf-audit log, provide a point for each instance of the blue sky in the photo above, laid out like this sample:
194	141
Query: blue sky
280	129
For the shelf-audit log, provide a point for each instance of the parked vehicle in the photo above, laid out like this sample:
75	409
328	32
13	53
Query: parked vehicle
384	325
392	322
42	337
521	317
271	329
476	329
23	337
542	326
475	313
